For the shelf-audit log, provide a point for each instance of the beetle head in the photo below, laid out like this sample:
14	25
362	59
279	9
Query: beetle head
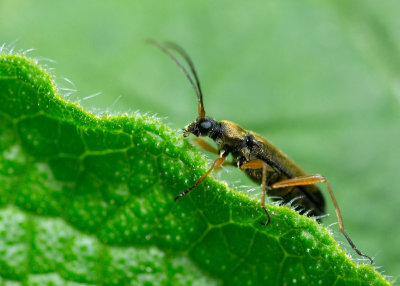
205	126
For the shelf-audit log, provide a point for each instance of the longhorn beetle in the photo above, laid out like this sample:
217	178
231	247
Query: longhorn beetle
264	163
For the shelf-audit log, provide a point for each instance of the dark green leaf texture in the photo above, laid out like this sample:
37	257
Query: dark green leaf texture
87	199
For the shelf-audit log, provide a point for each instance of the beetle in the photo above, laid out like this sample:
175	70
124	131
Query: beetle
264	163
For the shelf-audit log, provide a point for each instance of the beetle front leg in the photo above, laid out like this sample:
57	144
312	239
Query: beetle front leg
217	163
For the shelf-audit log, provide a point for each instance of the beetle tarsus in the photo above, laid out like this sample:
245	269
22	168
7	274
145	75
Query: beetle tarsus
268	218
184	193
356	249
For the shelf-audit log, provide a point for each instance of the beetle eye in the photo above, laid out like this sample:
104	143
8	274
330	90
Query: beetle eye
206	125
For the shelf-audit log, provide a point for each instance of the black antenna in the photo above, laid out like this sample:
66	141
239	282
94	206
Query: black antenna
178	49
189	61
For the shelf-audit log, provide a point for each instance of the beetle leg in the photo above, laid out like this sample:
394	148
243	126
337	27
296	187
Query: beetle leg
205	145
311	180
217	163
260	164
226	163
229	164
208	147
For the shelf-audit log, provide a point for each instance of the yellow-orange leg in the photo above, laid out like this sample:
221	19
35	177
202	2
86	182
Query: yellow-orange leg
208	147
217	163
205	145
311	180
260	164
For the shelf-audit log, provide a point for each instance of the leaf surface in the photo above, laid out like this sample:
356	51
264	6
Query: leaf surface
89	199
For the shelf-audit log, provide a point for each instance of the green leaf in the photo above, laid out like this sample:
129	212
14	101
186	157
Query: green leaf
89	199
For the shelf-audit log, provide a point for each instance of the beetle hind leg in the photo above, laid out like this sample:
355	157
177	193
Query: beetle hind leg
311	180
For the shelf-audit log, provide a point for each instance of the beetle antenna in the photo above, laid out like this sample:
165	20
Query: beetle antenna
189	61
196	89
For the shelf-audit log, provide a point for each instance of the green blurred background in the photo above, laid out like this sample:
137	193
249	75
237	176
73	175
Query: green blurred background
321	80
